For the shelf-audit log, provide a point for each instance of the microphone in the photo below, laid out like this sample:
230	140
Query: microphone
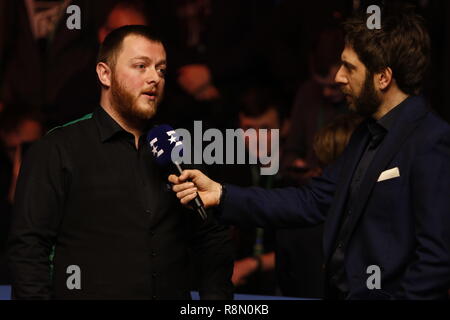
162	141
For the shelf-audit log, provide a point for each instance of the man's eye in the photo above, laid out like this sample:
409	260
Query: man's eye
162	71
140	66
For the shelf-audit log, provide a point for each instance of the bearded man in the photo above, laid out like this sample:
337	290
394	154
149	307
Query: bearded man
385	202
93	218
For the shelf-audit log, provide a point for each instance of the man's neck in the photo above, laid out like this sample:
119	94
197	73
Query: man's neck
134	129
391	100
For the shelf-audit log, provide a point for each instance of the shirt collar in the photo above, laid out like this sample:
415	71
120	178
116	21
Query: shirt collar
107	126
386	122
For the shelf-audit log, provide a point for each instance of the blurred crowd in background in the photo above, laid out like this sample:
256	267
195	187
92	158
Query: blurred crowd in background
260	64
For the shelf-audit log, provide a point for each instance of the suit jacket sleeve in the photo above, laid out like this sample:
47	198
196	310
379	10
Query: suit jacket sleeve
36	216
428	276
281	208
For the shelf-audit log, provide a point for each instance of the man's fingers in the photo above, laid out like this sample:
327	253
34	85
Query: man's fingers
188	175
188	198
185	175
182	187
187	192
173	179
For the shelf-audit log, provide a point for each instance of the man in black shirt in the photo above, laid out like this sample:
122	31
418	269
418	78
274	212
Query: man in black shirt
93	217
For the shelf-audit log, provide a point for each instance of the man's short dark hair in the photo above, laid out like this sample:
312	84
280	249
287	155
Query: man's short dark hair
402	44
111	46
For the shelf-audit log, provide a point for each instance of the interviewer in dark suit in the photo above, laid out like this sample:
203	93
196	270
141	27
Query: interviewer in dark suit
385	201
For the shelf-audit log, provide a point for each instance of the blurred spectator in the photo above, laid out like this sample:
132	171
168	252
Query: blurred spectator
318	101
18	129
49	67
3	36
287	36
210	53
299	251
124	13
331	141
255	258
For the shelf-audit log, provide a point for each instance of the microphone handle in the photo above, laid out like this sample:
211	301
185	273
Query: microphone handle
197	202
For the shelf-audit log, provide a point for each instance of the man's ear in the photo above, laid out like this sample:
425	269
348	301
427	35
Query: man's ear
384	79
104	74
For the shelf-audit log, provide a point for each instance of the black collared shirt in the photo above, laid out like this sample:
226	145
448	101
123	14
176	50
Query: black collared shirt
104	206
377	130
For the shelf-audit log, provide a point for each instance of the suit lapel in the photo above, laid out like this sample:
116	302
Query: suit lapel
352	156
406	122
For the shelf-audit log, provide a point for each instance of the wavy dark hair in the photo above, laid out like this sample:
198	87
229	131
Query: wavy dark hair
402	44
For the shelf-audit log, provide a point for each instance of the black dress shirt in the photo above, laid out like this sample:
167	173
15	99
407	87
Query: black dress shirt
86	192
377	130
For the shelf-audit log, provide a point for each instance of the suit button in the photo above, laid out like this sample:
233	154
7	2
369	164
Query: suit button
153	254
152	233
340	245
349	212
154	297
147	211
154	275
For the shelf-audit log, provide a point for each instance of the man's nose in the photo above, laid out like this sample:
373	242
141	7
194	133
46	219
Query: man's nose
153	76
340	77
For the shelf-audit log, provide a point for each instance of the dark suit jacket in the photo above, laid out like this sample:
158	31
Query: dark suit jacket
401	224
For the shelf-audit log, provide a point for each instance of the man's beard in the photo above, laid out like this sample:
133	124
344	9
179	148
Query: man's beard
127	105
368	101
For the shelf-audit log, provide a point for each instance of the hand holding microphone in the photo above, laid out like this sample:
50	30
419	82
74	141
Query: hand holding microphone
162	141
190	182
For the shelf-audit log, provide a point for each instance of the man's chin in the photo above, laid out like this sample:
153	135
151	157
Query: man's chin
351	105
146	112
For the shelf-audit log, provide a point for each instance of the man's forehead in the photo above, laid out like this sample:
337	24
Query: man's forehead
349	55
139	46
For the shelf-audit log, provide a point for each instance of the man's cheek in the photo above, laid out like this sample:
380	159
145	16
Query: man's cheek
161	91
130	80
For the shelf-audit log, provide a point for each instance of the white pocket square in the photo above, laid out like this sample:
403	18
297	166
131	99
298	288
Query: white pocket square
389	174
